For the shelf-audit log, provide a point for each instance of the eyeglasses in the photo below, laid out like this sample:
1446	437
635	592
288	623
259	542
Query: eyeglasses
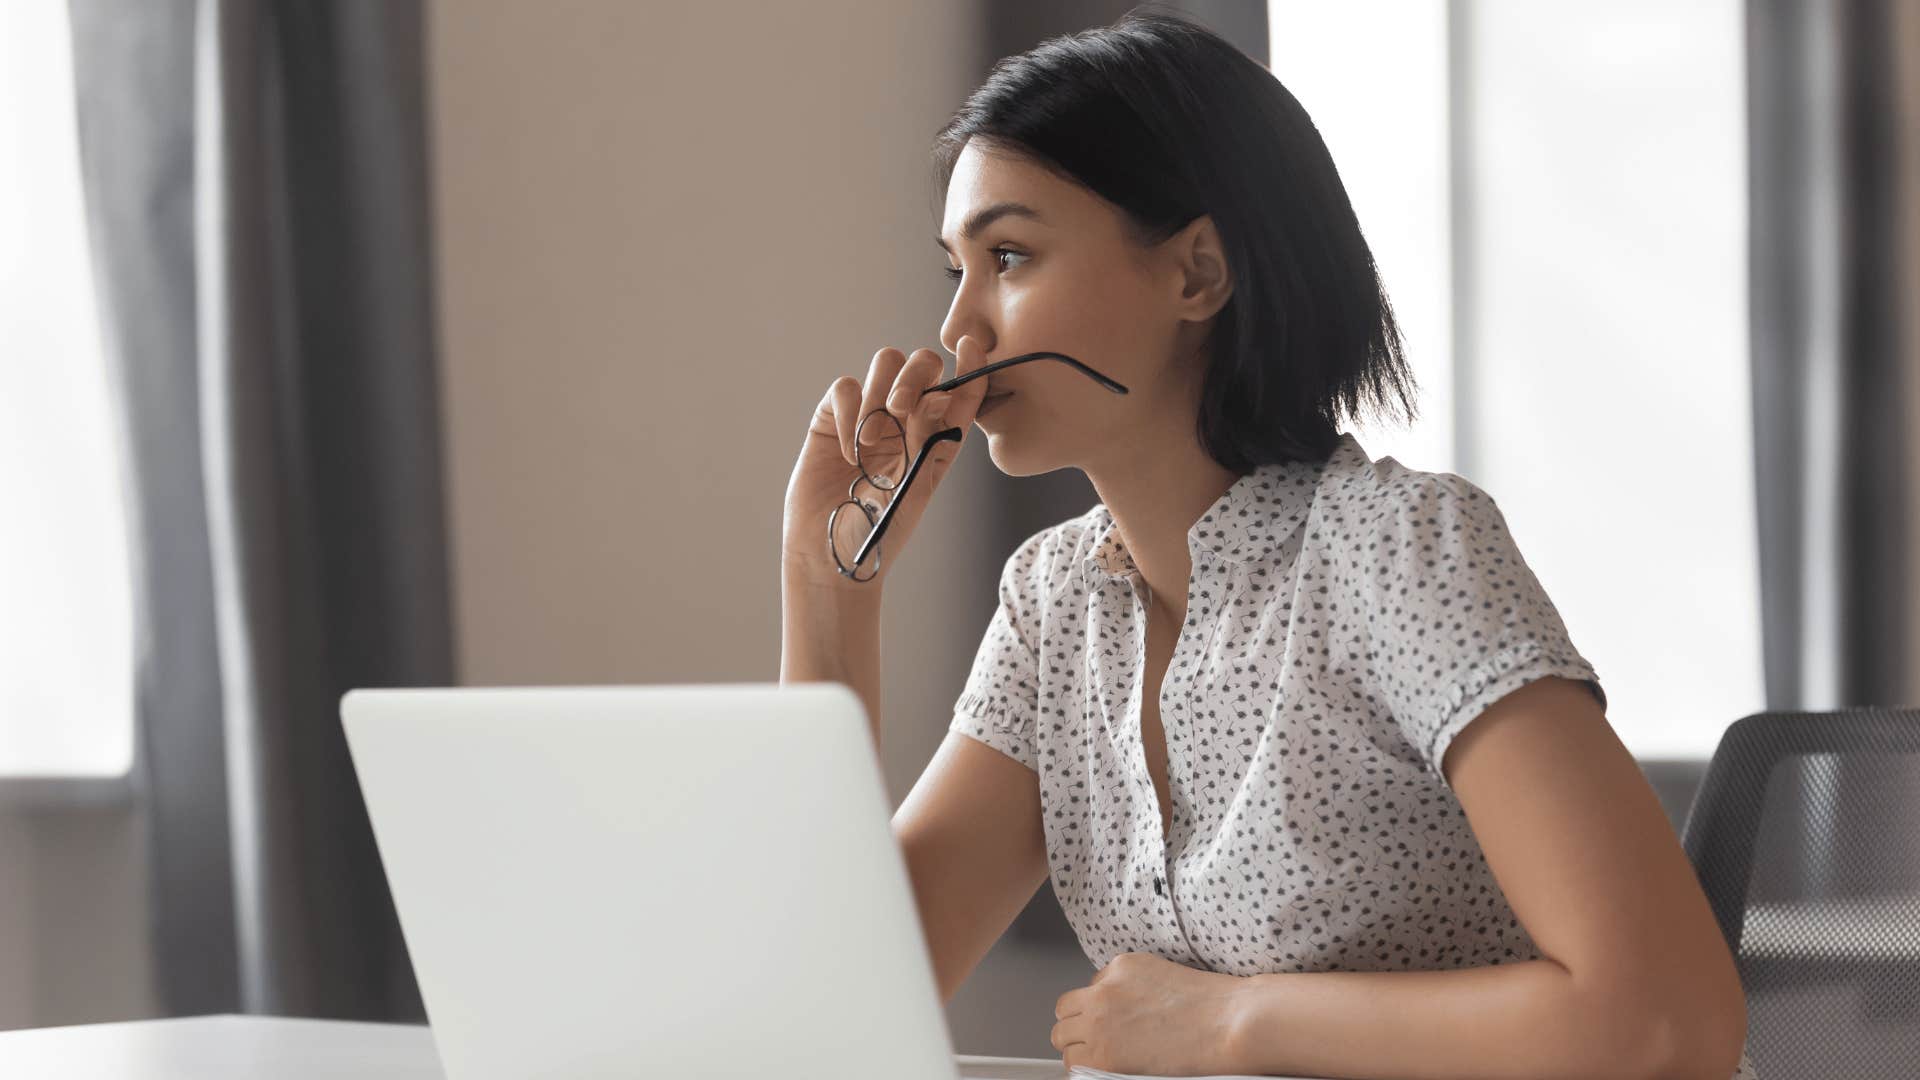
855	527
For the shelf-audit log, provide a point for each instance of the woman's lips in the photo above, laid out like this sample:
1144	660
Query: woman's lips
990	403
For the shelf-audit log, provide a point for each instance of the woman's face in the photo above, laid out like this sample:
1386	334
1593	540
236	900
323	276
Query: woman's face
1067	279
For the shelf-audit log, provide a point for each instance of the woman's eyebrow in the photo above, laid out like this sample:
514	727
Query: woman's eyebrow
987	216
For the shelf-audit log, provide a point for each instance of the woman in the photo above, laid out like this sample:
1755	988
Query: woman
1316	772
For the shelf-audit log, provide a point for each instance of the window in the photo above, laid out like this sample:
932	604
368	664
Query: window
1594	266
1373	76
66	671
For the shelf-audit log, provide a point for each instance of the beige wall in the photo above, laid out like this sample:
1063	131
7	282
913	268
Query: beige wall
662	230
73	910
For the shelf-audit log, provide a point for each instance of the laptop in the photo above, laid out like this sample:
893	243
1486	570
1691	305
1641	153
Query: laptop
685	881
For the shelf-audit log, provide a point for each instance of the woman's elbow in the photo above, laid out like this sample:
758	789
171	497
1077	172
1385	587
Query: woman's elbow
1701	1039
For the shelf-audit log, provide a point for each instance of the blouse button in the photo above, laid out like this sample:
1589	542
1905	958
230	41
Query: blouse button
1160	885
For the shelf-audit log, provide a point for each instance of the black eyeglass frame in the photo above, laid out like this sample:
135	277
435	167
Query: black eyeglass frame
952	434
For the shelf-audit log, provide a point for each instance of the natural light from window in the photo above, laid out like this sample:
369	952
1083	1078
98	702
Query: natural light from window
66	668
1599	274
1373	76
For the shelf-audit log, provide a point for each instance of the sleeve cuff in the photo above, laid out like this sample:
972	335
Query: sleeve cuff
1494	678
994	726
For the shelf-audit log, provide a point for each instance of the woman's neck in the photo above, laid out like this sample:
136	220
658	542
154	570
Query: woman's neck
1155	496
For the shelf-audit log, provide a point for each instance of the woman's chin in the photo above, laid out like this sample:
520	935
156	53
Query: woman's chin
1007	457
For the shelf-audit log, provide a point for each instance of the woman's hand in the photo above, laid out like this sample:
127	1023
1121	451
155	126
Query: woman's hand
1143	1013
896	383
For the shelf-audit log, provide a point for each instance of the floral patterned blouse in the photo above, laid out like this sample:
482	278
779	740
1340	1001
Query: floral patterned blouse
1345	620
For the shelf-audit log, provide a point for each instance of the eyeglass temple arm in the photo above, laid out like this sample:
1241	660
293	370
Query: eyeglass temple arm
998	364
952	434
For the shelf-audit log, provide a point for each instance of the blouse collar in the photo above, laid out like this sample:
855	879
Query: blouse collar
1248	523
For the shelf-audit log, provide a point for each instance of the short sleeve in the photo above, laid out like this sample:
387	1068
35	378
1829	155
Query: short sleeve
1000	701
1456	620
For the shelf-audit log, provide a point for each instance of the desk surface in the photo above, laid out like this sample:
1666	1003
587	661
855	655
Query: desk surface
218	1047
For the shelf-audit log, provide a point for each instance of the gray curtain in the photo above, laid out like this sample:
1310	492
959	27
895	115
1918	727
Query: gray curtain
1831	91
1835	249
256	183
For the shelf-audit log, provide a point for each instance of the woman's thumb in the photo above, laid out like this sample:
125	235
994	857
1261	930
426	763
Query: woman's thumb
968	396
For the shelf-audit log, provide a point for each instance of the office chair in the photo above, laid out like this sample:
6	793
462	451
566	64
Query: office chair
1805	835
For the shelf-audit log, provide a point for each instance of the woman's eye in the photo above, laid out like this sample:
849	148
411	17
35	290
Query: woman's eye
996	253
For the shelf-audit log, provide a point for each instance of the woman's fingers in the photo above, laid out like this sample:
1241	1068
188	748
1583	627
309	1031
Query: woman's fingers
968	396
928	411
845	395
952	408
897	384
880	378
934	408
921	370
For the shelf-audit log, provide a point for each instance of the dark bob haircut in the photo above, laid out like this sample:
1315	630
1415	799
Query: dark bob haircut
1168	121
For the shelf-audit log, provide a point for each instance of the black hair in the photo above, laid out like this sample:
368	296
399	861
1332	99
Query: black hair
1168	121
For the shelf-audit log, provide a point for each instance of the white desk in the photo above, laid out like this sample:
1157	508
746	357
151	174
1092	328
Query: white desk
233	1047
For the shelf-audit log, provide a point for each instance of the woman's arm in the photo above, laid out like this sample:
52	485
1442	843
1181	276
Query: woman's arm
970	832
1634	978
832	634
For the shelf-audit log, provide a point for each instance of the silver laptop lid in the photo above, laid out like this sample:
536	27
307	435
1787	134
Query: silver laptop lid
649	881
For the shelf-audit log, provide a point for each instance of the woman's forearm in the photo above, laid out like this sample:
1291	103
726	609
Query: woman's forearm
1529	1019
832	634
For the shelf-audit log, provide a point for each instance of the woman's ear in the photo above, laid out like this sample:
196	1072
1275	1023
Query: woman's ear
1206	281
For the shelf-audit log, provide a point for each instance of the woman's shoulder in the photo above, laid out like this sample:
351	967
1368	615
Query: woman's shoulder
1380	524
1369	496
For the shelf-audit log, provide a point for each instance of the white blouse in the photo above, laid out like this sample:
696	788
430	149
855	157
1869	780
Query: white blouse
1345	620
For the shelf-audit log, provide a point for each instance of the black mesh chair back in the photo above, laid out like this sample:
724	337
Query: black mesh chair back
1805	834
